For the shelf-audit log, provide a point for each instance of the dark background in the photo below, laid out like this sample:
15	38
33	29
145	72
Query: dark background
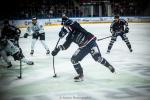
24	9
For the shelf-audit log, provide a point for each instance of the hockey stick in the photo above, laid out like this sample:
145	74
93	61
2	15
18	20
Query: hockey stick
23	36
104	38
20	77
54	60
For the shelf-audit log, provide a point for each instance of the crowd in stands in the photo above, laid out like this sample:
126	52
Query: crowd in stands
25	9
46	9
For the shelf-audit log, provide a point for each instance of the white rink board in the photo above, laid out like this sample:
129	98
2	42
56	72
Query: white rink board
131	81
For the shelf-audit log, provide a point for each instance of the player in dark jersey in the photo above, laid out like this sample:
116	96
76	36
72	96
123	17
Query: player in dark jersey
12	34
86	42
119	27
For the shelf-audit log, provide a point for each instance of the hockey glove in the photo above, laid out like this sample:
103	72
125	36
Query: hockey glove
35	35
63	32
55	51
111	31
26	35
126	30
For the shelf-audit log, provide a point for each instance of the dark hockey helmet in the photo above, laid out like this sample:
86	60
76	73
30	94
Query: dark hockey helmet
6	21
68	22
64	18
116	17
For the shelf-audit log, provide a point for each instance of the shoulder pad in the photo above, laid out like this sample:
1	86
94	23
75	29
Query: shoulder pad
122	20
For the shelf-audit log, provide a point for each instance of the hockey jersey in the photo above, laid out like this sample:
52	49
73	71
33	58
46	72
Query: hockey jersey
118	26
34	28
78	35
10	32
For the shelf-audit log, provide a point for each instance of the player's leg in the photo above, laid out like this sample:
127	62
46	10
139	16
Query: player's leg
28	62
32	46
42	39
45	46
113	39
126	40
5	58
34	39
95	52
23	59
78	56
19	56
16	53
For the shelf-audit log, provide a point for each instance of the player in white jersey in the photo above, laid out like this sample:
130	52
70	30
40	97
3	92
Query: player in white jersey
37	33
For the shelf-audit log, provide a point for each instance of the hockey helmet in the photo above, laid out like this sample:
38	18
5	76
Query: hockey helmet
34	20
6	22
116	17
64	18
68	22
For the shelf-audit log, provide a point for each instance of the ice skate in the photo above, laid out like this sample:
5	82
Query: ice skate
32	51
9	65
78	78
30	62
107	52
47	52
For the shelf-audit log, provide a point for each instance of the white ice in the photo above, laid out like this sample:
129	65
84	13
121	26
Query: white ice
130	82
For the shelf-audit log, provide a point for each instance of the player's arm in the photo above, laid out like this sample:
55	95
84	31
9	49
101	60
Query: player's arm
3	40
65	46
126	23
3	34
111	28
126	30
67	43
28	31
17	32
41	29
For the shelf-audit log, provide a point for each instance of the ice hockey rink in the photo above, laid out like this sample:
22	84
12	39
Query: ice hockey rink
130	82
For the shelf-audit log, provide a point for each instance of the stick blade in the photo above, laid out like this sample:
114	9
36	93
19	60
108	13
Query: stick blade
55	76
19	77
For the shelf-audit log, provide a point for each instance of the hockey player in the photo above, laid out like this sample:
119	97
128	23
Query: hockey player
86	42
38	33
11	34
117	29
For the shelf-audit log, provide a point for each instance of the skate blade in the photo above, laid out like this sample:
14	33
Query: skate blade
78	80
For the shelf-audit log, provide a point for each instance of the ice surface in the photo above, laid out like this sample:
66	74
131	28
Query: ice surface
130	82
